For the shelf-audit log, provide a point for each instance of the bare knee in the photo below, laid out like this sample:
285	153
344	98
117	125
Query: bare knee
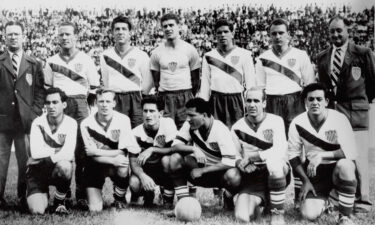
175	162
165	163
135	184
345	169
311	209
122	172
232	177
64	169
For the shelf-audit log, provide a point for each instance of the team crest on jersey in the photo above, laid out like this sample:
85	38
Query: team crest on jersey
115	135
78	67
356	72
292	62
61	138
29	79
214	146
131	62
268	135
160	140
172	66
331	136
234	59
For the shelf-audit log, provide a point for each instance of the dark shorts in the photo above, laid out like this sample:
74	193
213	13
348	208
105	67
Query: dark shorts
174	104
322	182
39	177
256	183
95	173
77	107
287	106
155	171
129	103
228	108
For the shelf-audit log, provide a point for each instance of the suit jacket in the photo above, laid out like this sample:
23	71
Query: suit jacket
21	97
356	84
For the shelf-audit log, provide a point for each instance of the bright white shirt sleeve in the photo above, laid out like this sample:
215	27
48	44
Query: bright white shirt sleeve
249	71
48	76
346	138
205	81
104	71
294	143
154	62
227	147
171	130
127	139
67	151
183	135
307	70
261	76
147	81
194	61
38	148
237	144
92	74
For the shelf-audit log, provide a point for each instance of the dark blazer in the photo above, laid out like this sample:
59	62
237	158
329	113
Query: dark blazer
356	85
21	97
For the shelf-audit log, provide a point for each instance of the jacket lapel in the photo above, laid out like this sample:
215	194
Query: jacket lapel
5	58
327	61
347	59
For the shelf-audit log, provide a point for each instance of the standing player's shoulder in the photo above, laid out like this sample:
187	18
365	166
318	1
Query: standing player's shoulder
239	123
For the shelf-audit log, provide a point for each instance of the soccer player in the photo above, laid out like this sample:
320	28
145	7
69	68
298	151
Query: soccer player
203	152
75	73
283	70
126	71
52	143
154	136
175	69
261	141
226	72
109	145
328	171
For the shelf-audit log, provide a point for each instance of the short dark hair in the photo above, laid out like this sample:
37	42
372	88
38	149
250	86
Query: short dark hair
170	16
121	19
313	87
101	91
152	99
68	23
14	23
223	22
55	90
339	17
280	21
200	105
257	88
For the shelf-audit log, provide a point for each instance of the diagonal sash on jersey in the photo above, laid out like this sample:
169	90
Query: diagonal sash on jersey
68	73
253	140
122	70
225	67
49	140
316	141
102	139
281	69
203	146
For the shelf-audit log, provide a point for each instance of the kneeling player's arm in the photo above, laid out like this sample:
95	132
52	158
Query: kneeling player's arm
338	154
217	167
134	165
297	166
103	159
162	151
109	153
182	148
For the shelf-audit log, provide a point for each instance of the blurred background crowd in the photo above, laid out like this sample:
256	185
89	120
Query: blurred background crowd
308	27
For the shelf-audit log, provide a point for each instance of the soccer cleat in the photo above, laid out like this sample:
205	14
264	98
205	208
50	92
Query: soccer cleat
277	217
218	195
228	202
148	199
345	220
82	204
61	209
119	204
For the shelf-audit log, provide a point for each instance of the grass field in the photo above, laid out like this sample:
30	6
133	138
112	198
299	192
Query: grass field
212	213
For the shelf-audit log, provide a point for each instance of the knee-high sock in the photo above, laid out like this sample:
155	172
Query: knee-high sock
120	185
277	188
346	195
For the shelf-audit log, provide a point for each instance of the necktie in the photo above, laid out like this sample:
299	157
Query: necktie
15	64
336	66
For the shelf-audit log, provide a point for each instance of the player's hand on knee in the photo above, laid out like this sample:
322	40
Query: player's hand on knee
196	173
242	164
143	156
250	168
148	183
306	188
315	160
120	161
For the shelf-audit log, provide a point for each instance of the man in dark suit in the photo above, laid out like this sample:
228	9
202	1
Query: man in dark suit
348	71
21	100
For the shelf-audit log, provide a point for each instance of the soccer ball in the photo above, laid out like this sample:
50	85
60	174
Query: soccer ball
188	209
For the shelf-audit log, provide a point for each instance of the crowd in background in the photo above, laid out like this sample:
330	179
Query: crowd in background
308	27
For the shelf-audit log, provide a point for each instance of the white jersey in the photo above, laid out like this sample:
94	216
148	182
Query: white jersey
218	147
268	139
335	133
284	75
117	135
74	77
58	145
130	73
227	74
174	65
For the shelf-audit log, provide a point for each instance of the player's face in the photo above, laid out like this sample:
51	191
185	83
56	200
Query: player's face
195	119
13	37
121	33
224	36
316	102
254	103
279	35
67	38
170	29
105	103
55	107
151	114
338	32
